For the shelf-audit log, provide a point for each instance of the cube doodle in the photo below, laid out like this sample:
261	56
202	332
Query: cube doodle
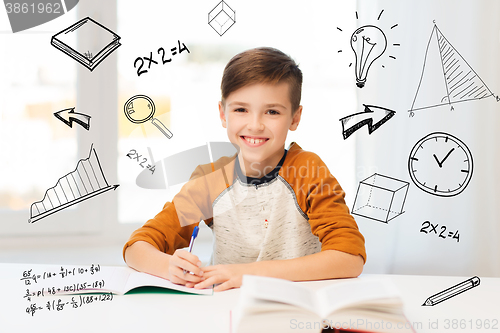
380	198
221	18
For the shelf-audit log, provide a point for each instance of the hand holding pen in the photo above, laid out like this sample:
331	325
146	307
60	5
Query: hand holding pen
184	267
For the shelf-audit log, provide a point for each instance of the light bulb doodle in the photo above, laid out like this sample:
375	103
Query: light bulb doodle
368	44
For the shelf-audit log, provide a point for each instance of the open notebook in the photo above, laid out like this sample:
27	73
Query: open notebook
115	279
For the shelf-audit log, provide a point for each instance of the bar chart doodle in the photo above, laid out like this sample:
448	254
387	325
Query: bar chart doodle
446	78
85	182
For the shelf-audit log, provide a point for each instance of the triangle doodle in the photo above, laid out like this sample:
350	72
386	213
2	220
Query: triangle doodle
458	82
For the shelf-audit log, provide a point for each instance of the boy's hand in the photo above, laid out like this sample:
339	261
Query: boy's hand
229	276
181	263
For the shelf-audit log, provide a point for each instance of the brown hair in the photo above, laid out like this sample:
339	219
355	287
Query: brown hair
262	65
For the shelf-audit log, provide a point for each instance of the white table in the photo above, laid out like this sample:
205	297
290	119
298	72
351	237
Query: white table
166	312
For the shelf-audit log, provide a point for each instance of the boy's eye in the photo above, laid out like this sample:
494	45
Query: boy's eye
273	112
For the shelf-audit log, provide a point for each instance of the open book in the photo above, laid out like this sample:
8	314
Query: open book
114	279
357	305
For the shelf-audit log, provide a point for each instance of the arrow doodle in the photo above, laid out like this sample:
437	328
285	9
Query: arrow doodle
366	118
68	116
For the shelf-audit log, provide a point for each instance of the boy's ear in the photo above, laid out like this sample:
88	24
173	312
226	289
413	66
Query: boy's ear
222	115
296	119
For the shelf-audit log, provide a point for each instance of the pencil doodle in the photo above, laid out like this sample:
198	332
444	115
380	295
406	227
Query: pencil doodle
442	234
161	50
29	14
92	51
68	116
446	78
85	182
140	108
440	164
380	198
452	291
368	43
179	167
366	118
221	18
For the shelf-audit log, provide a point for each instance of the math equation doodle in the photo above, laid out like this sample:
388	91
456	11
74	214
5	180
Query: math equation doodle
91	51
85	182
133	154
55	282
140	61
442	234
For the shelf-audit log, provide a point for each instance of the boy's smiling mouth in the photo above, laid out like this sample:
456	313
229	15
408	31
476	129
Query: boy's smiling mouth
254	141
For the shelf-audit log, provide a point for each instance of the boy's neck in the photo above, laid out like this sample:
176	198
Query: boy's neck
258	169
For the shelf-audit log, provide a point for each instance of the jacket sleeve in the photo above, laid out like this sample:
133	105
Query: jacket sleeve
322	199
172	227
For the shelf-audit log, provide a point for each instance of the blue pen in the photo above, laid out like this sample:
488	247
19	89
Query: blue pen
193	237
191	243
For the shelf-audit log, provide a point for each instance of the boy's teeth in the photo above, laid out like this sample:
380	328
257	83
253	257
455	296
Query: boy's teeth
253	141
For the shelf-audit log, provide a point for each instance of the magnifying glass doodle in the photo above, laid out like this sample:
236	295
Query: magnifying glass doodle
140	108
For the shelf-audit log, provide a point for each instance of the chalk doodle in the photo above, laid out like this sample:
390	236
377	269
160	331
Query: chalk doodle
85	182
380	198
452	291
140	108
92	51
368	43
366	117
442	234
221	18
446	78
88	281
68	116
440	164
133	152
162	52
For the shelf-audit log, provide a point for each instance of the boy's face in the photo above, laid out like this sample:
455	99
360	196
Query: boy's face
258	118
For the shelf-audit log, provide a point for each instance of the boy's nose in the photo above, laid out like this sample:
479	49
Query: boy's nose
255	123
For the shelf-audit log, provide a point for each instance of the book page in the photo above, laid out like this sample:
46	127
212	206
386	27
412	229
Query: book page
365	293
279	290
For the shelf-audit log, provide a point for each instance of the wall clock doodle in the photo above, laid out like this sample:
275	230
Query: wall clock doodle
440	164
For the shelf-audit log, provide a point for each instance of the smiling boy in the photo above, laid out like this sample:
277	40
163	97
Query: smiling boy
273	211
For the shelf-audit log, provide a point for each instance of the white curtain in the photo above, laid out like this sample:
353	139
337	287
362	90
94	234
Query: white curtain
399	247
